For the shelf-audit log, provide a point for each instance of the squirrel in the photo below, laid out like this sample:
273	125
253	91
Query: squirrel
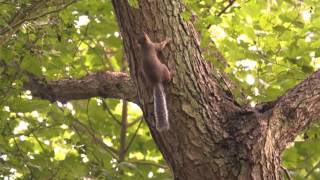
155	73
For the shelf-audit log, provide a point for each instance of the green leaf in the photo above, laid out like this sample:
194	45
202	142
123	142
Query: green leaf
279	28
307	69
32	64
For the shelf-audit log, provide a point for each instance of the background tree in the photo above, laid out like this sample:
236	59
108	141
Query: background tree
245	88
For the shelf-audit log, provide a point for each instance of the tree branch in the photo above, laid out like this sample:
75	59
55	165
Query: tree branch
312	170
296	109
113	117
29	13
101	84
123	131
285	170
51	12
226	8
77	125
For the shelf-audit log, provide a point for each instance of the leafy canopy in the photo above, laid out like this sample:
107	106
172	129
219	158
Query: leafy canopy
266	47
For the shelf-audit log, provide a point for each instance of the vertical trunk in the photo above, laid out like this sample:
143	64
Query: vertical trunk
210	136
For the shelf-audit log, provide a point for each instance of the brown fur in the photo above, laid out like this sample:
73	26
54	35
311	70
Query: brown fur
156	73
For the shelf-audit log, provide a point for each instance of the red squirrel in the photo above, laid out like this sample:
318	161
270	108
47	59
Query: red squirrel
156	74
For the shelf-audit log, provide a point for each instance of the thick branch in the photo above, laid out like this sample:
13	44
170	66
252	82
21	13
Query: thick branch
296	109
100	84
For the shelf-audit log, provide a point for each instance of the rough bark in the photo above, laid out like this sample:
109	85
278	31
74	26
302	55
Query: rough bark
296	110
102	84
211	136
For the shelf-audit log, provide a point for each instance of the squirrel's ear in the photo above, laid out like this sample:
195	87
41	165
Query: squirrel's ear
144	34
146	37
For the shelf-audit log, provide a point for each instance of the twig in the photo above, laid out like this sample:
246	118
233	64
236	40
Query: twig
286	172
96	139
150	163
20	151
50	12
88	116
312	170
123	131
135	121
38	141
223	10
226	8
106	107
134	135
23	15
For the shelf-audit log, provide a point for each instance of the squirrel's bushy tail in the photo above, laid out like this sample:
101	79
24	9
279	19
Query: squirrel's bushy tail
160	108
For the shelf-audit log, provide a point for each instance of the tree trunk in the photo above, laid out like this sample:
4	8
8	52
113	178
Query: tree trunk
211	136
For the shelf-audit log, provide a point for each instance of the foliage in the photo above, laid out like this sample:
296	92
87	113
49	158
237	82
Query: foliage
268	47
40	140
